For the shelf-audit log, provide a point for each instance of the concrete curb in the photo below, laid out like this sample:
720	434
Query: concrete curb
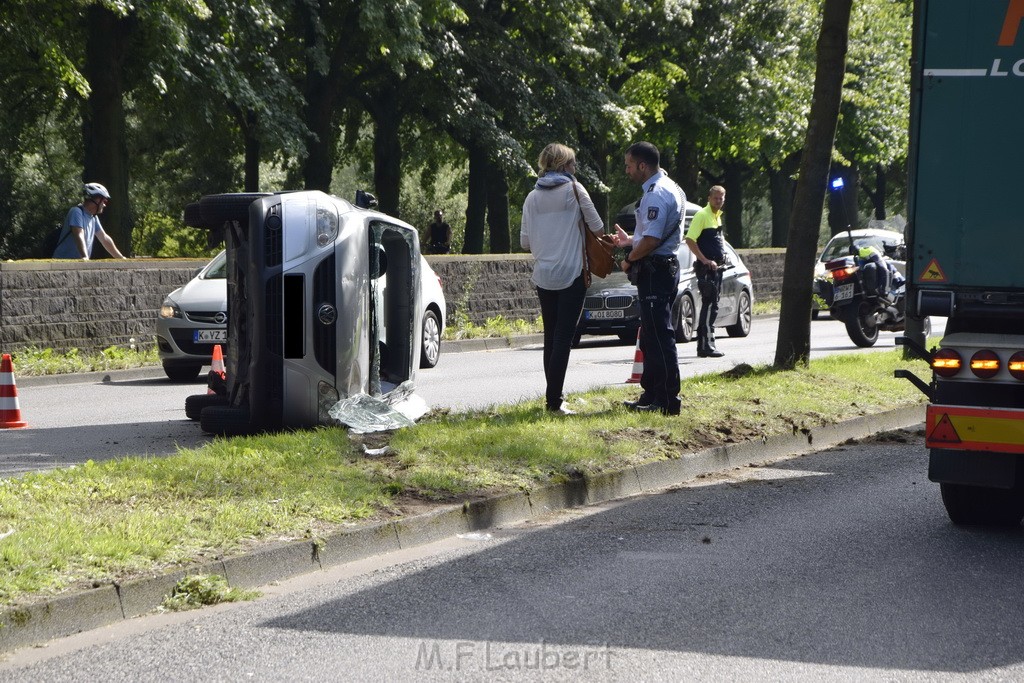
80	611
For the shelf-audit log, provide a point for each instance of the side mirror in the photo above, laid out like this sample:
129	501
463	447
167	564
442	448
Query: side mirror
365	200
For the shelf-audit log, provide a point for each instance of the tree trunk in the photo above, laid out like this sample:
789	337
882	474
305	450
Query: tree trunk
782	187
103	123
842	203
877	193
319	113
497	209
794	341
476	206
734	178
387	154
688	170
252	152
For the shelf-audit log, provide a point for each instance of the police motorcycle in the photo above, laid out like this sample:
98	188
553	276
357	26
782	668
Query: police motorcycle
867	293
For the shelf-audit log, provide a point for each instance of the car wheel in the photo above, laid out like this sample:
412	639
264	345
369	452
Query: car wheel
430	350
182	373
225	420
684	317
217	209
194	404
741	328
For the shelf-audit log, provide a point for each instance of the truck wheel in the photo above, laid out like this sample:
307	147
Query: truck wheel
217	209
743	315
979	505
194	404
684	318
860	332
225	420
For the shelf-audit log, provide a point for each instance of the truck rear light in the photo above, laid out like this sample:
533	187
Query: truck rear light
1016	365
946	362
985	364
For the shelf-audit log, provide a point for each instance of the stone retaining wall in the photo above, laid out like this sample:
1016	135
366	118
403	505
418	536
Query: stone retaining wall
90	306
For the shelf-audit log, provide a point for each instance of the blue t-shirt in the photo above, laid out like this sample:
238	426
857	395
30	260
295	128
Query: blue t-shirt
77	217
659	214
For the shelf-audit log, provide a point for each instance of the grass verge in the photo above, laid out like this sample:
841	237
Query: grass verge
114	520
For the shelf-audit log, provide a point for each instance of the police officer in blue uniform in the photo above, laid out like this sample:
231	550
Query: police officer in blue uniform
652	265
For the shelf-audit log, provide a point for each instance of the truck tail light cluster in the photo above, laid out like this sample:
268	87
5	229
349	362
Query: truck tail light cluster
985	364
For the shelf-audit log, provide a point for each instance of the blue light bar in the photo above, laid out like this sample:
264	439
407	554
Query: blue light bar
837	183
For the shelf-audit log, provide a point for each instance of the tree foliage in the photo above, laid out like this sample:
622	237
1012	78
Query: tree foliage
169	99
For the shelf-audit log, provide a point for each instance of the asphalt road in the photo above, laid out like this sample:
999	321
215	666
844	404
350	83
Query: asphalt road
839	565
144	414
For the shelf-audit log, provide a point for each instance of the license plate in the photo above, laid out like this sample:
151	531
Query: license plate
210	336
605	315
843	292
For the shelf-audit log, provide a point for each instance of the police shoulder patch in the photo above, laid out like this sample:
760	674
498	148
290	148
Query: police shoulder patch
652	213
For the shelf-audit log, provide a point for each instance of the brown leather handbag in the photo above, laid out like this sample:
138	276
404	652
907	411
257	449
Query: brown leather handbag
598	252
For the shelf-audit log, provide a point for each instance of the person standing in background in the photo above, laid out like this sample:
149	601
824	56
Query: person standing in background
705	240
440	234
552	231
82	226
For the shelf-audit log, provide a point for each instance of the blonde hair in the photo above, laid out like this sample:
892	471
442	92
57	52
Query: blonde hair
555	157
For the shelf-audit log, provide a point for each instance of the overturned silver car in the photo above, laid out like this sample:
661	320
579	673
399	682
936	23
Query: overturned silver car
324	302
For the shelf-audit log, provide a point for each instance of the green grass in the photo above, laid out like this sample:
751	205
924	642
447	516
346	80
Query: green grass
35	361
108	521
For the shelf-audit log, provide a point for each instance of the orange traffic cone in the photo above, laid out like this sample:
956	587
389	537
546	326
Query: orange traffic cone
10	412
218	373
638	363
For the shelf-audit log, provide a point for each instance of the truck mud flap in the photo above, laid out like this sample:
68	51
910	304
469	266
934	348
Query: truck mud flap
975	468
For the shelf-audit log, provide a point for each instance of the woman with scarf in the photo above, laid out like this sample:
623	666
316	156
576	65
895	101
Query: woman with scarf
552	231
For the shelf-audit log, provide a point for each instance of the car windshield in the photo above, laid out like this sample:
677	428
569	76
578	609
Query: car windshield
218	268
840	245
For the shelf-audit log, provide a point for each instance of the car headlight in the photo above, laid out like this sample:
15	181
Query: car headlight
169	309
327	397
326	224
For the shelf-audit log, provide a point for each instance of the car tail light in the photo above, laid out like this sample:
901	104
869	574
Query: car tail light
946	362
1016	365
985	364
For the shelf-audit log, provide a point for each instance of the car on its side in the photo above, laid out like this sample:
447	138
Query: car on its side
611	306
888	242
194	318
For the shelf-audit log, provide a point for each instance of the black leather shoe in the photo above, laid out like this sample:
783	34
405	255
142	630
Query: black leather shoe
713	353
647	408
635	405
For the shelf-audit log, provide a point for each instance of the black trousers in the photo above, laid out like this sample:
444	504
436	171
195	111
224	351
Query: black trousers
656	283
560	311
709	284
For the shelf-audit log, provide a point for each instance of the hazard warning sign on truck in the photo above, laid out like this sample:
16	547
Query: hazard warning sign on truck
975	429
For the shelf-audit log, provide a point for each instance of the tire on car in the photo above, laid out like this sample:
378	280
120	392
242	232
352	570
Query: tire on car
195	404
214	210
225	420
430	340
741	328
684	317
176	372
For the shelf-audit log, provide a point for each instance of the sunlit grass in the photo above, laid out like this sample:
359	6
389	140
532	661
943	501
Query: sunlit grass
112	520
33	361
